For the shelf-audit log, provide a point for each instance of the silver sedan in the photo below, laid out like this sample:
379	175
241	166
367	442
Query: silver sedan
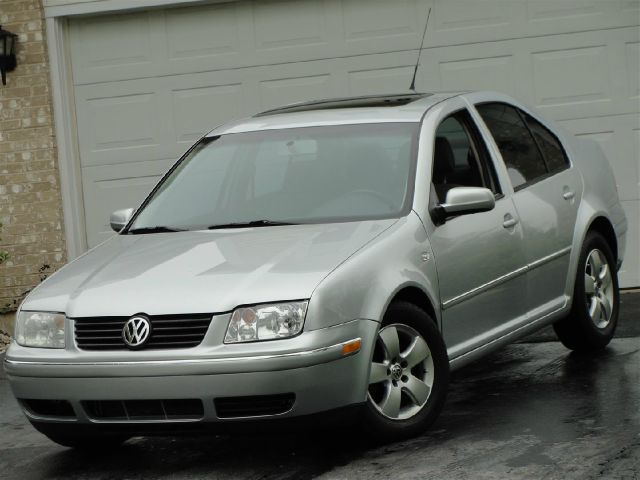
329	259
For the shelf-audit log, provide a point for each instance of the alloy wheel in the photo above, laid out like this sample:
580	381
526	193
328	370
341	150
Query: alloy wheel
598	288
402	372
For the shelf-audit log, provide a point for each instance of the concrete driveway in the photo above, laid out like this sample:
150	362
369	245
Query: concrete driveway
532	410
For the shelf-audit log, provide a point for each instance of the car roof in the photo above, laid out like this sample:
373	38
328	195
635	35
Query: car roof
404	107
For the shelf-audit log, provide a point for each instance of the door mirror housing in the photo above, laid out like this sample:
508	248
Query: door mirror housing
120	218
464	201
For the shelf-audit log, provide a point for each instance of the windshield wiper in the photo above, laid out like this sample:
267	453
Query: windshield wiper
253	223
156	229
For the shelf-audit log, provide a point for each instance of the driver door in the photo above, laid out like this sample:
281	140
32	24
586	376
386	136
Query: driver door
479	257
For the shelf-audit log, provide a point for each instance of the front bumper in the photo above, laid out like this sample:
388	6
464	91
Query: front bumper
313	368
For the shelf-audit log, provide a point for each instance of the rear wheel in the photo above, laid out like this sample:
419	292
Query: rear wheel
592	321
409	375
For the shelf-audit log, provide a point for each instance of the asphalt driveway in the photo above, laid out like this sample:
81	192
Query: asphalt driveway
532	410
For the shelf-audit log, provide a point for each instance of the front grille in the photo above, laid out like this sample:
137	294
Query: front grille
237	407
123	410
167	331
49	408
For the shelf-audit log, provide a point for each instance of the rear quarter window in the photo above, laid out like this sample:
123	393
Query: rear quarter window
549	145
517	147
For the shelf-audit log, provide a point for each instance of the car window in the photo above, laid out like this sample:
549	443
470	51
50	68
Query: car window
196	183
517	147
297	175
549	145
460	157
271	166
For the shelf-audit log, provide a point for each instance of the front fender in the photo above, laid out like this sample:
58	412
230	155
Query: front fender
364	285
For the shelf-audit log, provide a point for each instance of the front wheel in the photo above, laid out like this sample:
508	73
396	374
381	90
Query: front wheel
593	318
409	375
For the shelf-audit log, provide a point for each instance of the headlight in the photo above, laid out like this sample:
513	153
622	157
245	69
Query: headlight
40	329
266	322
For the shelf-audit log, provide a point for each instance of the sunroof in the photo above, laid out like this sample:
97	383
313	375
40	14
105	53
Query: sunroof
352	102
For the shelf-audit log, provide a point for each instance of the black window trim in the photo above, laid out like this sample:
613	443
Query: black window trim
522	114
475	137
471	128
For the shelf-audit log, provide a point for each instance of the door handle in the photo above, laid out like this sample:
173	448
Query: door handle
509	221
568	194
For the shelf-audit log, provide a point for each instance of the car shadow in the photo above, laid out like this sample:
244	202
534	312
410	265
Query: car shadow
544	392
264	456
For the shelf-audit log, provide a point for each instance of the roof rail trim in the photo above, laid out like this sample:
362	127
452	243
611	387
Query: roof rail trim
344	102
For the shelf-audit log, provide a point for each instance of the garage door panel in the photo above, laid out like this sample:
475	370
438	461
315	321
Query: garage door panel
290	24
567	10
138	120
552	16
106	190
95	49
197	110
200	32
376	74
119	129
629	274
474	18
585	78
569	76
380	80
492	73
619	137
274	93
499	66
198	102
402	18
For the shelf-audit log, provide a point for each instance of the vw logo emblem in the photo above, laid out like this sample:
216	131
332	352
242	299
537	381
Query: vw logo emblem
136	332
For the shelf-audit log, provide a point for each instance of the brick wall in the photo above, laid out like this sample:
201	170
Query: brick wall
30	205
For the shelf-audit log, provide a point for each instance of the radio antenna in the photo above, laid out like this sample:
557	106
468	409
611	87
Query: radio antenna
415	70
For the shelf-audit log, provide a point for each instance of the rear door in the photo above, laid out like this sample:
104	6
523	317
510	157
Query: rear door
546	196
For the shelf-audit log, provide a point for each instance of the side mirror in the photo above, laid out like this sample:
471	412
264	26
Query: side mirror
465	200
120	218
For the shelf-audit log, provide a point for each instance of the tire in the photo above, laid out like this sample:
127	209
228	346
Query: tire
593	318
399	402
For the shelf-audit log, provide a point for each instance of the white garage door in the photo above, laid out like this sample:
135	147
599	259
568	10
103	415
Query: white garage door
147	84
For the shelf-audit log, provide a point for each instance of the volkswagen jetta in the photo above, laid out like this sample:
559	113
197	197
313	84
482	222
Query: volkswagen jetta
325	257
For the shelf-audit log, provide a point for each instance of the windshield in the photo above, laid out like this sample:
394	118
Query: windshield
298	175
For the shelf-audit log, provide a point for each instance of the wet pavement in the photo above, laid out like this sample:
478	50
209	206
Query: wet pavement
531	410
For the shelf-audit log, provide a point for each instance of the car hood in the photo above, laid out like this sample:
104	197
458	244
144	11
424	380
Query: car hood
201	271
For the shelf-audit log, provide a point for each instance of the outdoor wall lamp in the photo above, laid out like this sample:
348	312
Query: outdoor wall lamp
7	53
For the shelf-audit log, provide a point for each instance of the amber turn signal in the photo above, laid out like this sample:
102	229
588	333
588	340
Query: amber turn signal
351	347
